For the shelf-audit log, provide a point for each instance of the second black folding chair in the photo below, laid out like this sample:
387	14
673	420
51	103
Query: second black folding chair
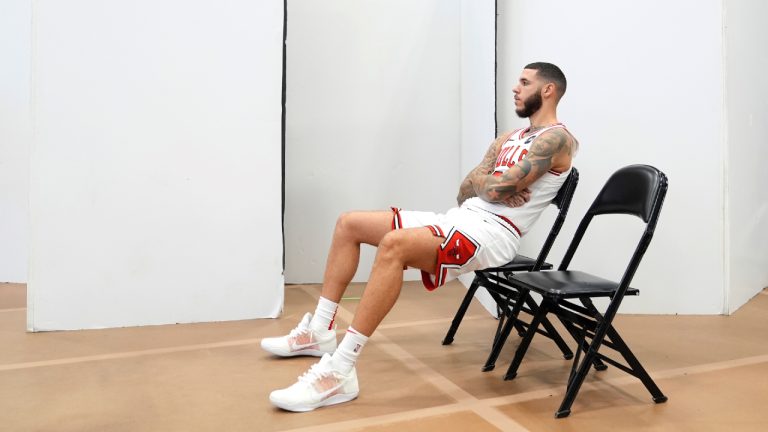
636	190
510	301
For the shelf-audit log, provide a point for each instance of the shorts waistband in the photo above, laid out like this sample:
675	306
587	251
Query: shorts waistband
501	220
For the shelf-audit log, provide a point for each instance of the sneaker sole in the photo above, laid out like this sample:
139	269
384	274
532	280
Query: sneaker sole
306	352
333	400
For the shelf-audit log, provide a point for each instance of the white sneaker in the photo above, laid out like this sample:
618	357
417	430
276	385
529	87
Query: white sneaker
302	341
320	386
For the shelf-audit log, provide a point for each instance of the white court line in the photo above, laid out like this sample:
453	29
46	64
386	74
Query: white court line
438	380
126	354
417	414
485	407
480	406
13	309
465	401
167	350
431	321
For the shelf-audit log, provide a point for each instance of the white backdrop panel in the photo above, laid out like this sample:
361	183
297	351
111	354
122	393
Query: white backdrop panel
155	191
746	60
373	117
640	90
478	96
15	136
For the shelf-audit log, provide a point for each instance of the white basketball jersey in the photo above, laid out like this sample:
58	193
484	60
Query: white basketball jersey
543	190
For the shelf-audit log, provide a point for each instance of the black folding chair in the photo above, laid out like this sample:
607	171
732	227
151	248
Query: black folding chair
637	190
510	301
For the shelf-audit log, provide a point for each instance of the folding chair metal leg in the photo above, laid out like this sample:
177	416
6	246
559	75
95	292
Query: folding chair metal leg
635	365
462	310
542	311
582	344
575	382
498	344
551	331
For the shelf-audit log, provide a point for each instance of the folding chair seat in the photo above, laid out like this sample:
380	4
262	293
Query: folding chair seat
511	302
637	190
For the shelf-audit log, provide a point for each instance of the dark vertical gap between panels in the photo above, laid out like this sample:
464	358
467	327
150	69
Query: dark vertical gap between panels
495	67
282	131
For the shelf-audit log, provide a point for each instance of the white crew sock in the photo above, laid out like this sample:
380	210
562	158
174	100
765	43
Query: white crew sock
349	349
324	315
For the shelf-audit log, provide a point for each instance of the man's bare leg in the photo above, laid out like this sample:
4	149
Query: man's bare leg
352	229
315	334
415	247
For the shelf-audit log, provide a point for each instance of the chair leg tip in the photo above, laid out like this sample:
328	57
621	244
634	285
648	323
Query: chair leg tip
488	368
510	376
660	399
562	413
567	356
447	341
600	367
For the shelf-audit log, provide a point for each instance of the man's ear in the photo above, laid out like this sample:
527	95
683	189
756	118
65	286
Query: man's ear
548	90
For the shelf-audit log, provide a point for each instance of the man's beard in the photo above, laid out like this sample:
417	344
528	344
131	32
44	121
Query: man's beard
530	106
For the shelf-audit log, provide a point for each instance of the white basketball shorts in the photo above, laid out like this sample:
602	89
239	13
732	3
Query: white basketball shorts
475	239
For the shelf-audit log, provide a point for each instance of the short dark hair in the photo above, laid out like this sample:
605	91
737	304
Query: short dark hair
550	73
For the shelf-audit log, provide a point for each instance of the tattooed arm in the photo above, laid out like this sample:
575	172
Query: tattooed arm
551	150
466	190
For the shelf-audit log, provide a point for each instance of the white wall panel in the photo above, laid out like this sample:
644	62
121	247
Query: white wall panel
645	86
15	137
373	117
155	191
746	61
478	96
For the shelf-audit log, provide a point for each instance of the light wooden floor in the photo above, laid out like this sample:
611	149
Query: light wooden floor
214	377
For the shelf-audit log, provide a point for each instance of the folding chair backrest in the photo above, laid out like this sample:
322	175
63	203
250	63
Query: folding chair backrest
637	190
563	202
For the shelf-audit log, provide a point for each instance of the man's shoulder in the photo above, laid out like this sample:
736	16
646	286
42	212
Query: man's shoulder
560	135
558	143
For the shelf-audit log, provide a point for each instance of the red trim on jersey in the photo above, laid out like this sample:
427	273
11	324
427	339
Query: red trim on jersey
557	173
545	129
510	223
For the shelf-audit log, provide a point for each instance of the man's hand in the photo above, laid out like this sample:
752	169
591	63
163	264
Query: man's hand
519	199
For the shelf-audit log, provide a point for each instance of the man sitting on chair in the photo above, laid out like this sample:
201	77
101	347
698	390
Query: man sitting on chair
498	202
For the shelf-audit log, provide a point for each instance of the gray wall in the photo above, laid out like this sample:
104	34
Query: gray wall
746	63
15	137
154	195
657	88
373	117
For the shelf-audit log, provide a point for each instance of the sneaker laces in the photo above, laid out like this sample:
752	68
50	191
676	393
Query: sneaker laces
302	328
315	373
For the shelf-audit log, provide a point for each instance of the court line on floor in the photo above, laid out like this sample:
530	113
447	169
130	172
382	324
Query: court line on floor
440	381
192	347
478	405
13	309
126	354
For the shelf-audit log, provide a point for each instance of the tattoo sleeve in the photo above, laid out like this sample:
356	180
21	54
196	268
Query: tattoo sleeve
553	144
466	189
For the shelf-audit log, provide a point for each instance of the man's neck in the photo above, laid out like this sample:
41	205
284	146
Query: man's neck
542	119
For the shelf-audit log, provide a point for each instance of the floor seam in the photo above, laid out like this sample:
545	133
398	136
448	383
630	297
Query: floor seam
440	381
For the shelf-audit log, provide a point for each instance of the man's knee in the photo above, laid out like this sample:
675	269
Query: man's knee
348	223
393	245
